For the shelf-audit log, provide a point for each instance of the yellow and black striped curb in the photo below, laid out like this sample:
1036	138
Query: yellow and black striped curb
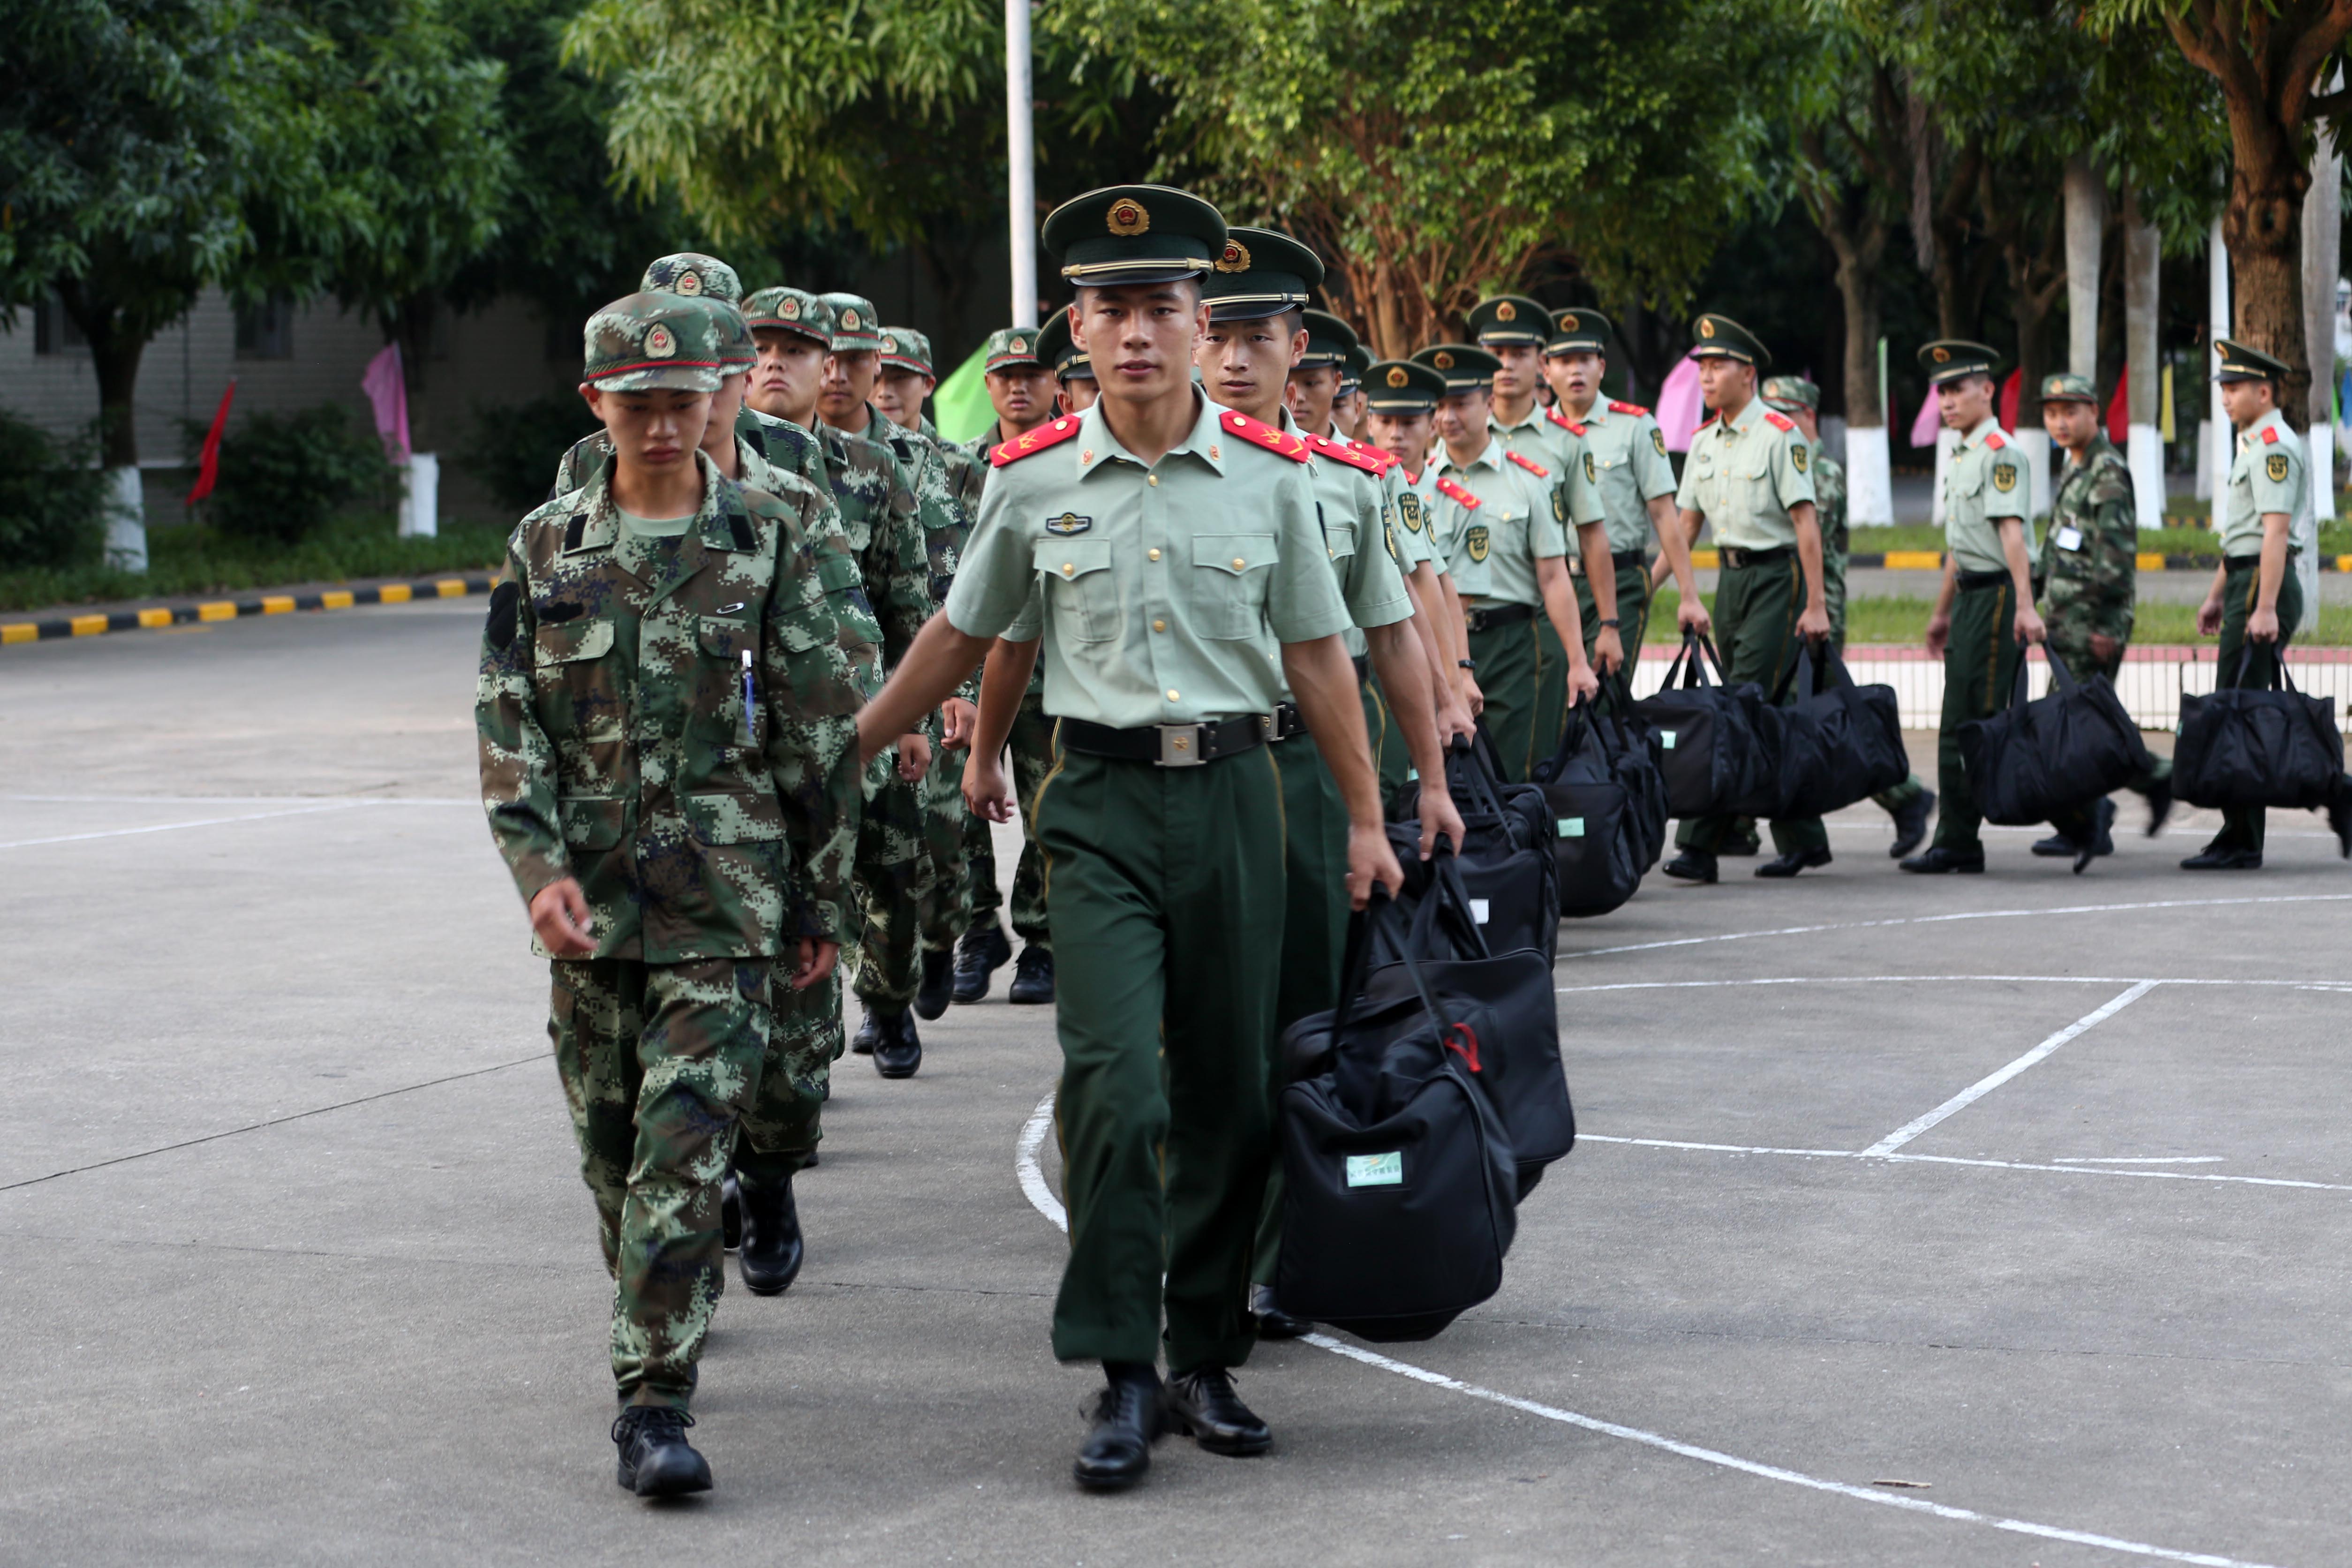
235	609
1932	561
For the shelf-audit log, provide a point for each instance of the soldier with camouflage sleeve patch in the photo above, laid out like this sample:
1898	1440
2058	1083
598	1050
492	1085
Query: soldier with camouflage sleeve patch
2090	561
667	745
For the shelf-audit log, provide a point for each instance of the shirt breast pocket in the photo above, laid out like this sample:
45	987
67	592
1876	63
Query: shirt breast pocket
1339	539
1083	593
1230	581
1706	482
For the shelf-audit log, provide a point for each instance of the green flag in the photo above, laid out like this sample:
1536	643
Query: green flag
960	405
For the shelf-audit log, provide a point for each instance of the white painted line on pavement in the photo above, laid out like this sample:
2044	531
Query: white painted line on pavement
317	805
1915	979
1966	915
1991	1081
174	827
239	799
2066	1170
2141	1159
1041	1198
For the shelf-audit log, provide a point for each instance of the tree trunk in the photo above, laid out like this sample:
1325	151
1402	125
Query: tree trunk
2087	223
115	363
2142	269
2262	227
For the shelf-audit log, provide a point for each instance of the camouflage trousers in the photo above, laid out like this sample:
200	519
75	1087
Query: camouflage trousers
943	902
658	1062
782	1125
1031	748
890	875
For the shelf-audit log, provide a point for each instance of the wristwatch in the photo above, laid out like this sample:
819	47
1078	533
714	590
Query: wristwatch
1612	621
1471	663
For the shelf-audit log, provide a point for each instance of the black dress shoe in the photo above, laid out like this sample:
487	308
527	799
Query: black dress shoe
2102	841
2340	817
1938	860
1795	861
1127	1419
1032	978
656	1458
980	953
939	983
731	1214
869	1030
1741	846
1692	865
1203	1404
773	1248
2160	804
2215	858
1911	824
898	1051
2057	847
1273	1322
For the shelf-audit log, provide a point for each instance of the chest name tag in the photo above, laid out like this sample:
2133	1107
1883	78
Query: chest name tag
1572	827
1667	739
1069	523
1376	1169
2067	539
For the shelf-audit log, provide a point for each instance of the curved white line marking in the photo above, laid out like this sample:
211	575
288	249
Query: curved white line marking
1041	1198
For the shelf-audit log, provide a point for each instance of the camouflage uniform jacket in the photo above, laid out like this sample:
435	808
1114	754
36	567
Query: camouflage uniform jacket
1837	544
967	469
946	522
879	515
616	745
2090	550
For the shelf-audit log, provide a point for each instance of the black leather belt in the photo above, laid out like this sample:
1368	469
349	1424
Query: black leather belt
1288	721
1486	619
1731	555
2239	563
1171	745
1984	579
1620	559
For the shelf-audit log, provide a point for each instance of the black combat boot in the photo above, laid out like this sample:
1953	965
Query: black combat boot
897	1050
1032	978
656	1458
939	983
980	954
773	1250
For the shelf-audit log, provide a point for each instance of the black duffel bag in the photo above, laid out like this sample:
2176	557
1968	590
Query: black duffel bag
1600	841
1505	851
1637	761
1718	745
2249	746
1839	743
1399	1190
2033	760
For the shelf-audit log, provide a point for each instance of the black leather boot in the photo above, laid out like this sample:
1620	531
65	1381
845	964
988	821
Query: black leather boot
939	983
1032	978
982	950
1795	861
773	1248
1938	860
1911	824
898	1050
656	1458
1692	865
1127	1419
1273	1322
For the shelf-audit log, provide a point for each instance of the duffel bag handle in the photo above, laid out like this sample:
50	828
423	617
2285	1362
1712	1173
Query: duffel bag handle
1467	761
1381	910
2060	675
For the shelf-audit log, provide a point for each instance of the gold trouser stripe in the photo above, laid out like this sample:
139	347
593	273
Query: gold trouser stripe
1037	815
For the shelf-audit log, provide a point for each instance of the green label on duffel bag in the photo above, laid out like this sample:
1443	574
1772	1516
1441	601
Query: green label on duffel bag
1376	1169
1667	739
1572	827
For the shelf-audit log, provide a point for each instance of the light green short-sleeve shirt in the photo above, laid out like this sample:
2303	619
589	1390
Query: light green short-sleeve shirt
1351	503
1557	446
2267	474
1495	518
1164	591
1985	482
1416	513
1625	459
1744	477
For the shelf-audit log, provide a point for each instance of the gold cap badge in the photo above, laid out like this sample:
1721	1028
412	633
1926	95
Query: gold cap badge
1397	377
660	343
1507	312
849	320
789	311
1705	327
1128	219
1019	347
1236	258
1441	360
689	281
1941	356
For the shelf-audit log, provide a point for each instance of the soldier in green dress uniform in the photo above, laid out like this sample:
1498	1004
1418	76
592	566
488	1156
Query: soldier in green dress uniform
1501	518
1910	803
2256	602
1073	373
2090	569
668	864
1984	616
1169	556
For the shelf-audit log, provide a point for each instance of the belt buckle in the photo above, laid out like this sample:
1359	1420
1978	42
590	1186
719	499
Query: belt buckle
1180	745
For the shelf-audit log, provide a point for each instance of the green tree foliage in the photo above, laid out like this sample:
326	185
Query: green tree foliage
282	475
53	500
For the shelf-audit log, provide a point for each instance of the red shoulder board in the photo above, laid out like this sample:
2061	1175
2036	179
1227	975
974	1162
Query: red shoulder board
1995	442
1035	441
1454	492
1326	447
1563	421
2270	435
1530	465
1287	444
1779	421
1616	407
1386	459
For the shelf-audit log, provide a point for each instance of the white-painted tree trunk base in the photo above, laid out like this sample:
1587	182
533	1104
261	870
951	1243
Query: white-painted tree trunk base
1869	476
126	521
420	496
2143	454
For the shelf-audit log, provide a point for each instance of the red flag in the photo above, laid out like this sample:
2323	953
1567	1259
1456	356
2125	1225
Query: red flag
2008	391
2119	411
208	465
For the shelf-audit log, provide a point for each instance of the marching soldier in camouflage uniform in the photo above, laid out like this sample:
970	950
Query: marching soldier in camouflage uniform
666	863
1911	802
2090	561
1019	368
1073	373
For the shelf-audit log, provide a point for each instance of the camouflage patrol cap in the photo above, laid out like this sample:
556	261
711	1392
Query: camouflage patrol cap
647	340
1010	348
1786	392
1511	319
790	310
1328	339
856	325
738	351
1720	337
1057	348
1579	331
903	347
2065	388
1464	367
694	275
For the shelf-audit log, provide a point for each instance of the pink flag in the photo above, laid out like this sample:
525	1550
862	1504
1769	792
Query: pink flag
1923	428
388	391
1680	407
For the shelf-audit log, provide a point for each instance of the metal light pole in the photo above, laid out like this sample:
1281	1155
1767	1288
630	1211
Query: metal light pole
1020	158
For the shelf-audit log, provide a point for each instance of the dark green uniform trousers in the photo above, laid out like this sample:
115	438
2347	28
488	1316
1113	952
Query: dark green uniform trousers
1979	669
1165	889
659	1060
1523	671
1031	745
1633	613
1756	611
1314	935
2242	588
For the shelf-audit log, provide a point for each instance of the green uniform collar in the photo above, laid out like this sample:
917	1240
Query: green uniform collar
1205	441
